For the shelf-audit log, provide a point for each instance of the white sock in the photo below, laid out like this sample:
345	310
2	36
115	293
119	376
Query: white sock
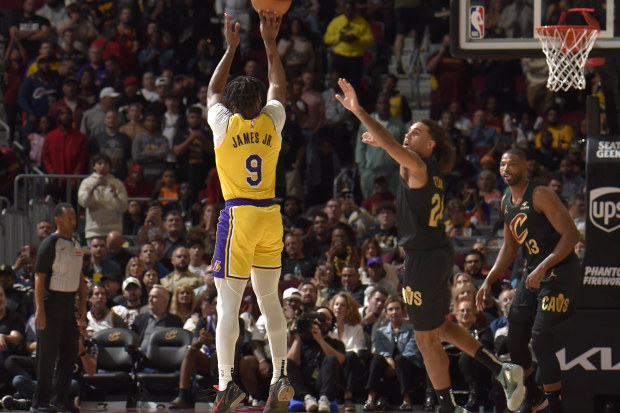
229	294
279	368
225	376
265	284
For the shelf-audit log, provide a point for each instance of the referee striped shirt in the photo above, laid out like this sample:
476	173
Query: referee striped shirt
60	259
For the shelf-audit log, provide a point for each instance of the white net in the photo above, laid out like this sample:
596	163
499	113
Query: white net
566	49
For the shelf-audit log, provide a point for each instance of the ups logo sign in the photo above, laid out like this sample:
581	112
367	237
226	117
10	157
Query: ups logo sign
171	335
605	208
412	297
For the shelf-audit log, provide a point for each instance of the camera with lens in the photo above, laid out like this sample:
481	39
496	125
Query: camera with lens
305	321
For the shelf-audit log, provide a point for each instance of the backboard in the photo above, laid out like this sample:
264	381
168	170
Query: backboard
506	29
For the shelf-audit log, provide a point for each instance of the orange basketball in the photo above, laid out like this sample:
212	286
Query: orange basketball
277	6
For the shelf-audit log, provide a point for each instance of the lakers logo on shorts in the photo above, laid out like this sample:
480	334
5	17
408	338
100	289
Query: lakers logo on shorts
412	297
217	266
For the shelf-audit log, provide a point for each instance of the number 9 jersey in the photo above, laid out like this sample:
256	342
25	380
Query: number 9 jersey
247	150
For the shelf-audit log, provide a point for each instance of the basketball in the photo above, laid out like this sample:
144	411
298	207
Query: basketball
278	6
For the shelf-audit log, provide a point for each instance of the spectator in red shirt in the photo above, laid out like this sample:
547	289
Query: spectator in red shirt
135	184
65	150
380	194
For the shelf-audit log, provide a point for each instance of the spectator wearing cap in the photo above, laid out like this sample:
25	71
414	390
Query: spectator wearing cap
130	94
93	122
291	303
104	198
133	303
100	317
71	100
112	143
65	149
158	106
99	266
385	234
135	184
37	93
16	300
377	276
203	63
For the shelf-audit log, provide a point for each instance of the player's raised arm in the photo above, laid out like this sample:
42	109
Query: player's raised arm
269	27
215	92
378	135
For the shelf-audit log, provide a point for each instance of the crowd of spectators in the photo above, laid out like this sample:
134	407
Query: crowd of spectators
118	90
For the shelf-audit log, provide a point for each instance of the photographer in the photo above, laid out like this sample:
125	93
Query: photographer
315	359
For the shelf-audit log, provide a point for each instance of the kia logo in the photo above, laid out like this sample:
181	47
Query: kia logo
605	208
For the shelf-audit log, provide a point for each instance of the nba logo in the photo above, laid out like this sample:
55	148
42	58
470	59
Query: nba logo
476	22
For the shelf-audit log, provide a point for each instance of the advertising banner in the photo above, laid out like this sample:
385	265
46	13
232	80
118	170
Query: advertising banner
601	264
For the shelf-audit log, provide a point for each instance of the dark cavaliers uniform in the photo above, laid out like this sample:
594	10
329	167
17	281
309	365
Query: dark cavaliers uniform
554	301
429	253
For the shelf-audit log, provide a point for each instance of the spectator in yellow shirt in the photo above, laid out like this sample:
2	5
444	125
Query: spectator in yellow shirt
349	34
561	132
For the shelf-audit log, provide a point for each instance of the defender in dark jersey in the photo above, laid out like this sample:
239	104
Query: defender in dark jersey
536	220
424	157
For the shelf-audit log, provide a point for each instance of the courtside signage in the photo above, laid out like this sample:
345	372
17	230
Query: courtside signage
605	208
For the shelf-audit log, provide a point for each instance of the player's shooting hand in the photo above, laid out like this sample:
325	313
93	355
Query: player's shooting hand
269	24
233	37
348	99
533	279
368	139
481	296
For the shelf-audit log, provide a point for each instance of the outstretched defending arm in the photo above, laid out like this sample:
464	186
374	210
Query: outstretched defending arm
269	27
215	93
377	135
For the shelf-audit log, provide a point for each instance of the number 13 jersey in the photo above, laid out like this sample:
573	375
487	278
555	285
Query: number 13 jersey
530	229
246	150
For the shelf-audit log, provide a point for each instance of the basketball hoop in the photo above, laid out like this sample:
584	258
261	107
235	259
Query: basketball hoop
566	48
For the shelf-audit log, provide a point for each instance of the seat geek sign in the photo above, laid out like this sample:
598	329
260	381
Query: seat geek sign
601	264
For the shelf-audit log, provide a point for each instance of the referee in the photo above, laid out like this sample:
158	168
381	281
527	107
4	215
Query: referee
58	276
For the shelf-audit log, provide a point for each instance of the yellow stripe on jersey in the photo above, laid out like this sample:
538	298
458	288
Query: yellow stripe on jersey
246	159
